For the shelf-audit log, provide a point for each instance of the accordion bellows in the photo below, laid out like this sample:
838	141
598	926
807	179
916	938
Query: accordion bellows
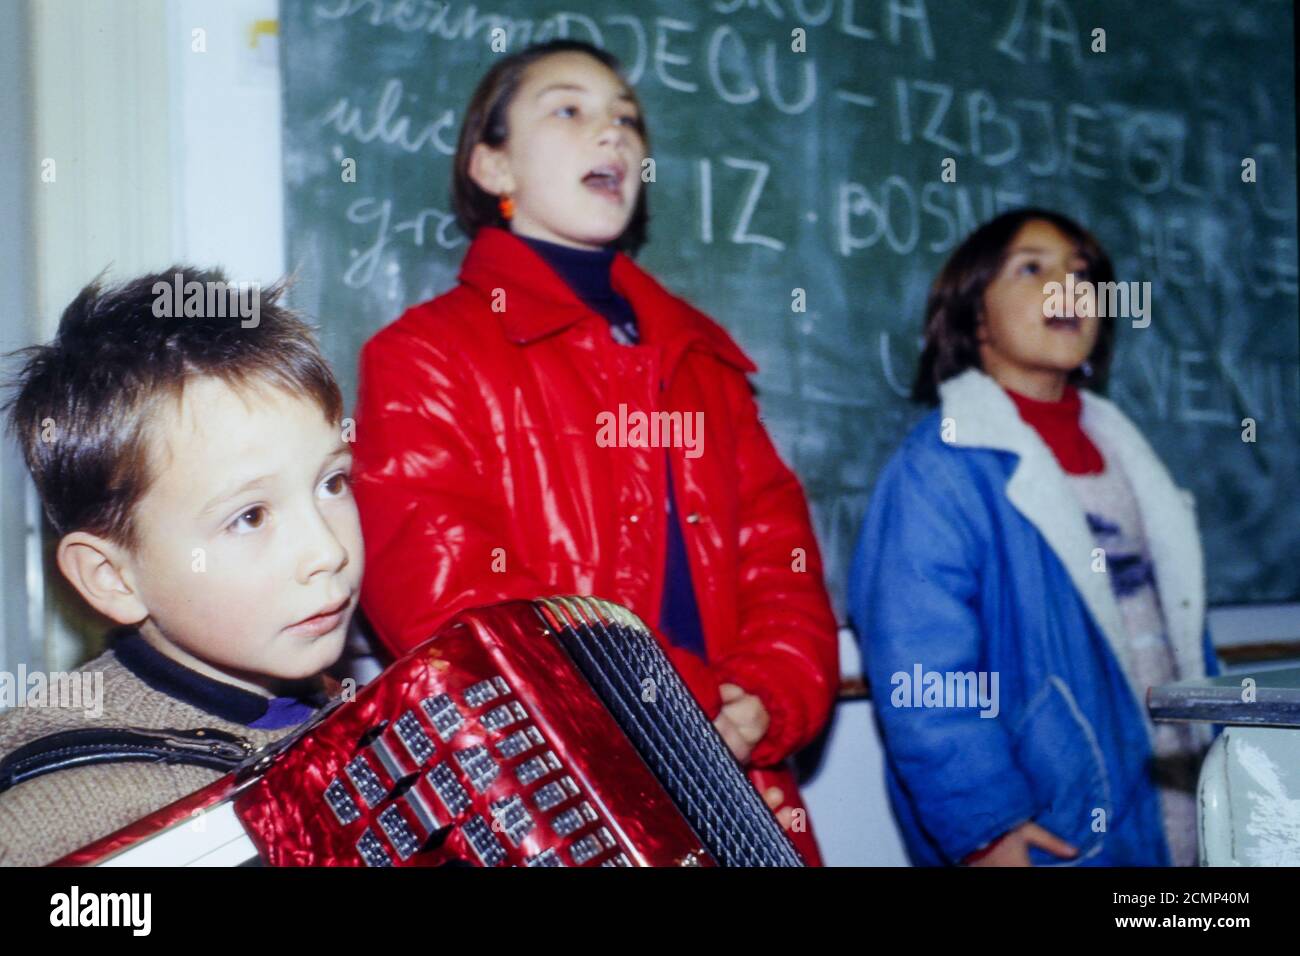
534	733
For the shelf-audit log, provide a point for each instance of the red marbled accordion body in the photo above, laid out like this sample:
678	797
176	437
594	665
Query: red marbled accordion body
489	745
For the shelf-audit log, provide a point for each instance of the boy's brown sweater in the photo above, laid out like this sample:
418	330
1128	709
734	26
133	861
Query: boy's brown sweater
44	818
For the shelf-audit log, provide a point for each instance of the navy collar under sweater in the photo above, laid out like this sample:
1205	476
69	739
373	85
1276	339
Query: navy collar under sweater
587	273
213	696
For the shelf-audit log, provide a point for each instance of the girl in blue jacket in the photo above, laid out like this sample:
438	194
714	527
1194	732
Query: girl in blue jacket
1026	571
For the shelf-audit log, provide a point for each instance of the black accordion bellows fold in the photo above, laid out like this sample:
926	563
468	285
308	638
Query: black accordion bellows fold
672	735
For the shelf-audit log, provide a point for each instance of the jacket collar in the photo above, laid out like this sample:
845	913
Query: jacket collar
984	416
539	303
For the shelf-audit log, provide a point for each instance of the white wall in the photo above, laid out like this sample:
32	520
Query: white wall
846	798
101	198
227	190
20	593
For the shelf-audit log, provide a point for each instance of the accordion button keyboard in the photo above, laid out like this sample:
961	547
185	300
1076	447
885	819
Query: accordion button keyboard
478	765
498	718
549	797
511	816
443	714
449	790
482	841
545	858
476	695
535	768
372	850
591	846
573	819
521	741
366	781
340	801
399	832
413	738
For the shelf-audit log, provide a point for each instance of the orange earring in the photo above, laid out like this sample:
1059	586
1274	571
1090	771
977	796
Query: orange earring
507	206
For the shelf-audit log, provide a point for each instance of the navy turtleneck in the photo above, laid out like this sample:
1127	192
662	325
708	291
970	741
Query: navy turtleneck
587	272
218	698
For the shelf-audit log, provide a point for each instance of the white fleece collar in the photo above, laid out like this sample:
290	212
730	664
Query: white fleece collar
983	416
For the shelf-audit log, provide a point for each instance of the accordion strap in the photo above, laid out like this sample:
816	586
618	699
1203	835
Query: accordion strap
205	747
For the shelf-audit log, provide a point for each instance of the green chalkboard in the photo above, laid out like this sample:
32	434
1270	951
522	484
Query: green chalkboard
821	169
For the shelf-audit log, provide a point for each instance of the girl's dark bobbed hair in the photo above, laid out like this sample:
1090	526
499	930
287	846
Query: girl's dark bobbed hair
485	122
956	303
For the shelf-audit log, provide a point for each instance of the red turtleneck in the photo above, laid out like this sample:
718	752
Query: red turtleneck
1058	424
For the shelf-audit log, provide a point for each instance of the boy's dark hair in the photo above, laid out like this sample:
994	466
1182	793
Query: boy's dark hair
956	301
86	403
485	122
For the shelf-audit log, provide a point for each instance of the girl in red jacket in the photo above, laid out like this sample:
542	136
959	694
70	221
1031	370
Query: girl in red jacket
560	423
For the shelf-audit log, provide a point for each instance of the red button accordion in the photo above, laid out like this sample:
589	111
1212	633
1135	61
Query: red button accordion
532	733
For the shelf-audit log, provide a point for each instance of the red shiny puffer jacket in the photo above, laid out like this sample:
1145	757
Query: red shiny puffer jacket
480	478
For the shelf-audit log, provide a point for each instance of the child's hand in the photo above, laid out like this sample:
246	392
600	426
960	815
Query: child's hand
742	722
1012	849
774	797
